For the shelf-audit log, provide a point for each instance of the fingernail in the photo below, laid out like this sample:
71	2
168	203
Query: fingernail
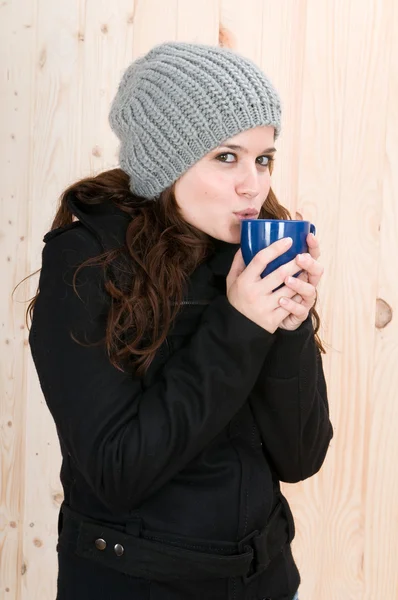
302	257
288	241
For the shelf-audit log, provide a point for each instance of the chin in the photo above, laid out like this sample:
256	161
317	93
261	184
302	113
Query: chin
233	237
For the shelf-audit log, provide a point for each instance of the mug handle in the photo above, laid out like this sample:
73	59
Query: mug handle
312	229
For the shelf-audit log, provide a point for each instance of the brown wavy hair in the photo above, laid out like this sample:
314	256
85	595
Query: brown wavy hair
161	251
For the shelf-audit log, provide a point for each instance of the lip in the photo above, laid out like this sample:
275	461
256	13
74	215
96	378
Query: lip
248	213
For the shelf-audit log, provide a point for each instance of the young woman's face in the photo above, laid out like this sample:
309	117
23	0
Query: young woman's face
231	179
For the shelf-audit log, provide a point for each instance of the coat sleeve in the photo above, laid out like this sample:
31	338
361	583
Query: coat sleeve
290	405
128	440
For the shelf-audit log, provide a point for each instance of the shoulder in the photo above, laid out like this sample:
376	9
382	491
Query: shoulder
74	241
59	230
64	255
74	234
65	279
68	250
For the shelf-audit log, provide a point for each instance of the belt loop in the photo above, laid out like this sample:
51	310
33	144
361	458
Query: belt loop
257	543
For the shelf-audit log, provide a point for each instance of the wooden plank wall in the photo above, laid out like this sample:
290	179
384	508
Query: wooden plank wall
336	66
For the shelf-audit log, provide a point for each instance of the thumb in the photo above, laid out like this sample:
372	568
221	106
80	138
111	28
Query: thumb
237	267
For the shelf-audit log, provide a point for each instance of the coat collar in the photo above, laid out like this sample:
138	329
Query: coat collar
220	262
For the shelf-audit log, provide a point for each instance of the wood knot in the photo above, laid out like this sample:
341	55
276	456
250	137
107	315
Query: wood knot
225	37
57	498
42	58
383	313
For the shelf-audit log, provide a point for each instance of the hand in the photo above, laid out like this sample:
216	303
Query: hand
304	285
253	296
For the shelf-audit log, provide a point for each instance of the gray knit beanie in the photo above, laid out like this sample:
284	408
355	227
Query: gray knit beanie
179	102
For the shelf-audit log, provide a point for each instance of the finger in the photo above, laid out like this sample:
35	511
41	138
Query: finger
237	267
284	291
297	298
303	276
306	290
313	246
280	313
298	310
265	256
314	269
277	277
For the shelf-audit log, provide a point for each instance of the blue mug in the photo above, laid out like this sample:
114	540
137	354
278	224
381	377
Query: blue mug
257	234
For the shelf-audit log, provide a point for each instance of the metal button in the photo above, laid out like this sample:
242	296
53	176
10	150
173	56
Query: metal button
119	550
100	544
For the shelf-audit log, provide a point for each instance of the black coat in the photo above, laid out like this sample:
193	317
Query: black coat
193	452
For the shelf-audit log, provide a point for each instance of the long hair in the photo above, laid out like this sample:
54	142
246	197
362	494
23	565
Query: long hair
162	251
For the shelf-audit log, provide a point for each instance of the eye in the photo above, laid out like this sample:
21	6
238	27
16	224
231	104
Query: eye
224	157
264	160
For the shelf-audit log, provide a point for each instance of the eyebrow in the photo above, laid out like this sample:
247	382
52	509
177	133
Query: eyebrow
245	150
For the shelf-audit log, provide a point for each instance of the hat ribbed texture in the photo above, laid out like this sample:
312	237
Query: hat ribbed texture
179	102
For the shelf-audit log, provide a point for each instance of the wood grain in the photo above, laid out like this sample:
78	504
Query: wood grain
16	45
155	22
380	510
198	22
55	156
335	65
346	78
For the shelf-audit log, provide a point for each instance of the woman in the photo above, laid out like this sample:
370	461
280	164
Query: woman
182	388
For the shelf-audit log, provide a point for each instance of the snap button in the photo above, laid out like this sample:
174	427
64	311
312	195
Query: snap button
119	550
100	544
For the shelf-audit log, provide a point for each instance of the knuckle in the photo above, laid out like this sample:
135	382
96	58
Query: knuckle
259	258
284	271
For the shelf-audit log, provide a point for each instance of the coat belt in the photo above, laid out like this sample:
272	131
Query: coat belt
156	558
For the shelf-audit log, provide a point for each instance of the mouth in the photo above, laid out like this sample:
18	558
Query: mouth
248	213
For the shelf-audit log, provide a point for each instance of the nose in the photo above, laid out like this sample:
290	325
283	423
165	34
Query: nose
248	184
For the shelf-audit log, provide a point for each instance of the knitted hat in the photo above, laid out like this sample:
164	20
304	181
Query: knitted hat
179	102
